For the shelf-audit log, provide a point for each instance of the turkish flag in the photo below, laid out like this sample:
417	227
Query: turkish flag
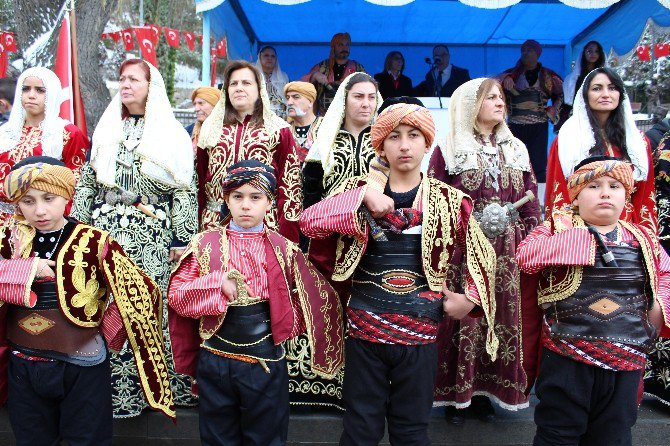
115	36
147	43
643	53
128	39
156	30
190	40
199	39
9	42
222	48
72	107
3	61
661	49
172	37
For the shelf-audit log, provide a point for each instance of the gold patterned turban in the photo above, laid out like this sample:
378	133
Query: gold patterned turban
306	89
410	114
621	171
38	173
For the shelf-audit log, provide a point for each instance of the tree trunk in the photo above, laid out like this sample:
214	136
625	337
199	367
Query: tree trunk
35	18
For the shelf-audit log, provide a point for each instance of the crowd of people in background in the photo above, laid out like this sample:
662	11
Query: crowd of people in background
256	233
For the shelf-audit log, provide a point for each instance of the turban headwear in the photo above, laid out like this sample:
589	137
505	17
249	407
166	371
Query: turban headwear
41	173
410	114
209	94
306	89
253	172
534	45
596	167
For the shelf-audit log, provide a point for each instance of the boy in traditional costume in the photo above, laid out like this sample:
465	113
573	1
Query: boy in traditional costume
251	290
56	277
399	287
603	285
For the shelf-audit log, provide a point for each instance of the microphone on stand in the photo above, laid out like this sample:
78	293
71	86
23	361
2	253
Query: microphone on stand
435	70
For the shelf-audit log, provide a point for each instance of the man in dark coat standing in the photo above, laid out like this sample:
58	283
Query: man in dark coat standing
443	78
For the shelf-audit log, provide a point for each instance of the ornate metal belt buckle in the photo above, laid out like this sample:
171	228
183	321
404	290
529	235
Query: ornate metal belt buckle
35	324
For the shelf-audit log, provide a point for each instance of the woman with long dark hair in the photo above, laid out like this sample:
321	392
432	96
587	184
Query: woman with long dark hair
591	57
602	124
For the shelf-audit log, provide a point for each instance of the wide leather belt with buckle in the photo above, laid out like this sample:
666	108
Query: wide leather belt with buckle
50	330
113	197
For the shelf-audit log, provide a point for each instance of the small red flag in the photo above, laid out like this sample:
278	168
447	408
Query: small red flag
643	53
222	48
115	36
72	107
3	61
147	44
172	37
212	73
156	30
199	39
190	40
9	42
128	39
661	49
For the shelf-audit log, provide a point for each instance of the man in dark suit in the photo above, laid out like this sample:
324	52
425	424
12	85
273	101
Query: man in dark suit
444	77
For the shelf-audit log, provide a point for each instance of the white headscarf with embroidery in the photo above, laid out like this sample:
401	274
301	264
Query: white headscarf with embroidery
278	78
212	128
322	149
461	147
165	147
52	126
576	138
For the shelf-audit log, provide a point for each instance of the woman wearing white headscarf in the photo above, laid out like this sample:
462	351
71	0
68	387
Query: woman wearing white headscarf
139	185
243	126
602	124
34	127
482	158
275	79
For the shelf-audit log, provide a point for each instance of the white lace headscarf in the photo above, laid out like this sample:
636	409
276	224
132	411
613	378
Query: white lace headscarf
322	149
52	126
212	128
576	138
165	147
461	147
278	78
570	82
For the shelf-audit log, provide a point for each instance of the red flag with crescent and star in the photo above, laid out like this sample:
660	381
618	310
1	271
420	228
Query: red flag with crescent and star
128	39
147	43
172	37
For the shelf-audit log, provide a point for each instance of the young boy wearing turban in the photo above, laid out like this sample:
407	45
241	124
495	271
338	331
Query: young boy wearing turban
399	288
56	278
604	287
251	289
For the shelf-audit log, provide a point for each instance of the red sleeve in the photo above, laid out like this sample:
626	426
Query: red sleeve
644	199
289	190
192	295
542	249
308	76
335	215
16	278
112	328
75	147
556	194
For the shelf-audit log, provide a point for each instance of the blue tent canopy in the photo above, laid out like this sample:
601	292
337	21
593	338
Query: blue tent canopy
486	41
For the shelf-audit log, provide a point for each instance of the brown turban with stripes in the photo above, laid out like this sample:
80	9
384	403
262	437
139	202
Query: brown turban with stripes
410	114
41	173
621	171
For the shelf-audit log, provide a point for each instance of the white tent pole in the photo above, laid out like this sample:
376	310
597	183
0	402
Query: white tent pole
206	55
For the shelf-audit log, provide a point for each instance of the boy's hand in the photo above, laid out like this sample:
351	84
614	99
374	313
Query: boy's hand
377	203
455	305
44	269
655	316
229	289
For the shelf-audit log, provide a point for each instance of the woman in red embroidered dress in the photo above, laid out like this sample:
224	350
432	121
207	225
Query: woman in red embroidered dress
602	124
34	127
243	126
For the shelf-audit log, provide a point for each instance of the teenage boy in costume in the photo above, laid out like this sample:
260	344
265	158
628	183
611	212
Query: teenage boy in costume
251	289
399	288
603	285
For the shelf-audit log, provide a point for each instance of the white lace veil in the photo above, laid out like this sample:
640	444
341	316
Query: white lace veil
165	147
212	128
570	82
52	126
576	138
322	149
278	78
461	147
